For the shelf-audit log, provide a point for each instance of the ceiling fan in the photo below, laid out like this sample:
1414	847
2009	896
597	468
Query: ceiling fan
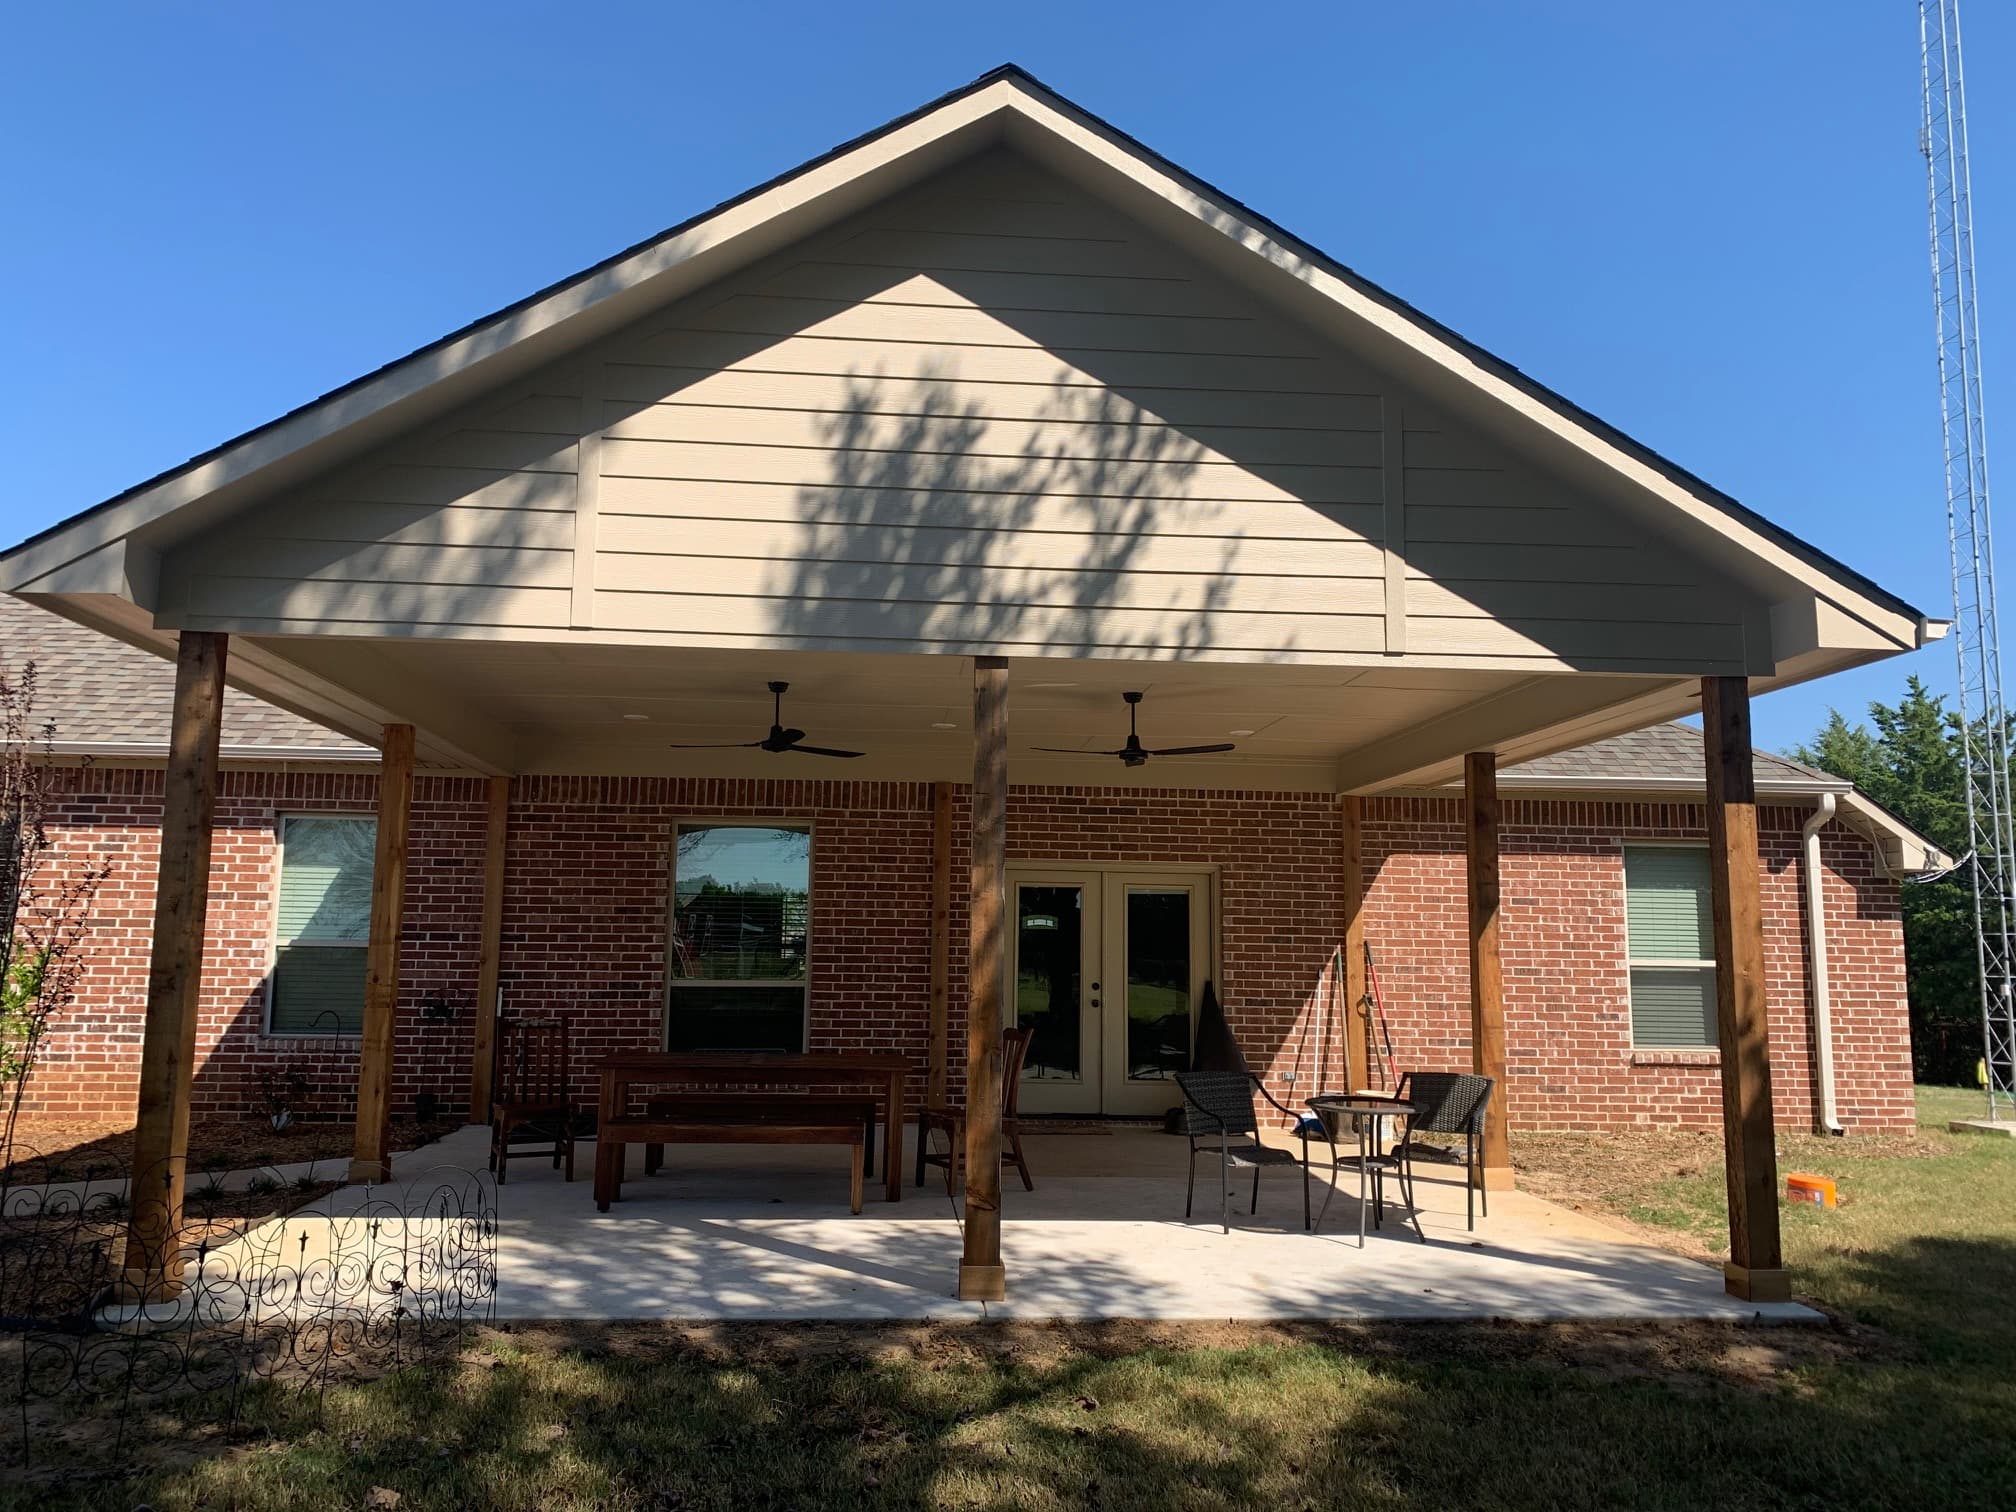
1135	754
779	738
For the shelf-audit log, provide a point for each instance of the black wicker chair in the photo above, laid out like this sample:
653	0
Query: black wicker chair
1445	1102
1217	1106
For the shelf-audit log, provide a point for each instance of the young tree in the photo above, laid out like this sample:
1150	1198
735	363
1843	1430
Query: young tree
1911	763
45	898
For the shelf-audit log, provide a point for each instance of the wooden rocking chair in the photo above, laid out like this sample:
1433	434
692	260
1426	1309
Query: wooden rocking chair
532	1096
1014	1048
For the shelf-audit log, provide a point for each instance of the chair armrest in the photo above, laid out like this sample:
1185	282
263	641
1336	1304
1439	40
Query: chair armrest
1279	1106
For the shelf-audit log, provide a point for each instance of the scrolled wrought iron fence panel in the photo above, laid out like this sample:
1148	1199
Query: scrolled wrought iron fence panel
278	1280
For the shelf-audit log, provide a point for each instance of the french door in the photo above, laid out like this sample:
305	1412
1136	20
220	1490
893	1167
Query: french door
1107	968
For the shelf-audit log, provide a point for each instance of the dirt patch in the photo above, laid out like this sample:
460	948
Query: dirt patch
62	1150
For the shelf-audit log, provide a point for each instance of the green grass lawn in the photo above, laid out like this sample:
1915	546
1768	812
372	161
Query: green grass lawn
1908	1400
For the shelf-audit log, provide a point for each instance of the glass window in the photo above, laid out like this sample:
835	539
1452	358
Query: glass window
322	925
741	917
1672	946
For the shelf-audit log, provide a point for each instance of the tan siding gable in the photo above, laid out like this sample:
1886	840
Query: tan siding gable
988	413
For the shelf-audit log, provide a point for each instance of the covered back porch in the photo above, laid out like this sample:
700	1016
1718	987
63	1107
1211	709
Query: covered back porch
963	431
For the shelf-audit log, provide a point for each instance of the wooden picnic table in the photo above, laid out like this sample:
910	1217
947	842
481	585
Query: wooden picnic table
623	1074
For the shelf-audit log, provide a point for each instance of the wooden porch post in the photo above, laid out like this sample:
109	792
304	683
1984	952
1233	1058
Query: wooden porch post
938	1048
153	1260
1357	1027
1756	1269
371	1160
982	1277
1487	982
489	949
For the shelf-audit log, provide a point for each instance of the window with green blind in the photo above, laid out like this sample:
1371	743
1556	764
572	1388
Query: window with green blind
322	925
1672	947
741	926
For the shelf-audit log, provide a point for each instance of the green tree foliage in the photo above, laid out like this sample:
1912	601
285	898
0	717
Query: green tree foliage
1911	764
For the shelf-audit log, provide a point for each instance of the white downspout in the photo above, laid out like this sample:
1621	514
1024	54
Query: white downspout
1816	961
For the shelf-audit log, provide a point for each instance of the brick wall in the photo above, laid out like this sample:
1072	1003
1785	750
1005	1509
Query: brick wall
586	904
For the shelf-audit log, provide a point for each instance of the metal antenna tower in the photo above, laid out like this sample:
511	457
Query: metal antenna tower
1976	636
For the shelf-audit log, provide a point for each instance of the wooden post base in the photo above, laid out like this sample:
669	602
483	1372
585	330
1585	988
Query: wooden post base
1756	1285
145	1288
1499	1179
376	1172
983	1283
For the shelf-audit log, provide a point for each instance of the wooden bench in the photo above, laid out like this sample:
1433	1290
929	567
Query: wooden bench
745	1107
812	1126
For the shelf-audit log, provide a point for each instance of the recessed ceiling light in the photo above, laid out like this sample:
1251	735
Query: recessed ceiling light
943	724
1053	685
1238	732
637	716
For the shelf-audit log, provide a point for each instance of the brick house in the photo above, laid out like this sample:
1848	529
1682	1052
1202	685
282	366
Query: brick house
586	906
682	602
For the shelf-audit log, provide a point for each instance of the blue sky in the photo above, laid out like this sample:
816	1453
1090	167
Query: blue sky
1703	222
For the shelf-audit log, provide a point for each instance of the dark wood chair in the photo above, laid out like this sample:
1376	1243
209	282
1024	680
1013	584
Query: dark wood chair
1014	1050
531	1097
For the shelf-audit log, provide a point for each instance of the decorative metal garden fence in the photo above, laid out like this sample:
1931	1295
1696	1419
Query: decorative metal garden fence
299	1281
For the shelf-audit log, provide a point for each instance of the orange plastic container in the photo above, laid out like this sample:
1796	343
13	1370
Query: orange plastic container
1802	1186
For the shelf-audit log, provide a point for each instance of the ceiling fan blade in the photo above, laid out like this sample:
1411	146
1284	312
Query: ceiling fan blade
739	745
822	751
1063	751
1192	750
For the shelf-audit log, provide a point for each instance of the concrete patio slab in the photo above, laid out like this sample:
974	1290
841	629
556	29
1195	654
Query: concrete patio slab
760	1233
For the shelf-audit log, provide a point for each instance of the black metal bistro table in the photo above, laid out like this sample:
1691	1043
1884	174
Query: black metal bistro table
1370	1111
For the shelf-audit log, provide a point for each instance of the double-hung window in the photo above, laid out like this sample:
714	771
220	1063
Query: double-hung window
1672	947
322	925
741	926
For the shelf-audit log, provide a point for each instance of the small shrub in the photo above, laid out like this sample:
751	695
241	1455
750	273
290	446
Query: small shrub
262	1186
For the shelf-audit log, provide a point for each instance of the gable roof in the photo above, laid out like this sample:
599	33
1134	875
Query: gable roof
1006	103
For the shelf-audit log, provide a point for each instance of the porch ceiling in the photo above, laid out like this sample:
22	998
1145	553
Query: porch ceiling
575	708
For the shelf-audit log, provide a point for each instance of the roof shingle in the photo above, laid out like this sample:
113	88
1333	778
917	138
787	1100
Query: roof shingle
99	691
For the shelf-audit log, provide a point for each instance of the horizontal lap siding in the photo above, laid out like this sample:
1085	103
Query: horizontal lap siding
988	412
470	523
1501	561
585	919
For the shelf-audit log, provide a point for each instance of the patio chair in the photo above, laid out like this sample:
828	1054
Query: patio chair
1014	1050
1445	1102
531	1095
1218	1105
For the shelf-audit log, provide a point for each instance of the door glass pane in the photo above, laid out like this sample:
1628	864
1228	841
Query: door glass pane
1158	984
1049	947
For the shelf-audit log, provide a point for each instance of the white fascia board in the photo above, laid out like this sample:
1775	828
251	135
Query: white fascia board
1791	787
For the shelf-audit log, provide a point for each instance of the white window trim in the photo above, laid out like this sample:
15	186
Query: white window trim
1656	963
266	1029
672	979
